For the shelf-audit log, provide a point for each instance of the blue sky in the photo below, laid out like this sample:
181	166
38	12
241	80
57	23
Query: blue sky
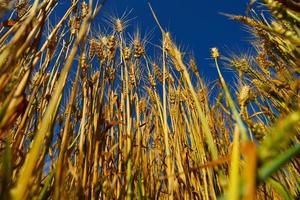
196	25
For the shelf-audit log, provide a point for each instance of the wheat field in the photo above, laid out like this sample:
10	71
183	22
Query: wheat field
92	115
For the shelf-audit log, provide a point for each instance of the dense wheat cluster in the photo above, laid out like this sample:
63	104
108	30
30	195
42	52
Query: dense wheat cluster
93	115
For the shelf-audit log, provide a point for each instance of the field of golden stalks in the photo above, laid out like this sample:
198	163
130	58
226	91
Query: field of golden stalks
96	116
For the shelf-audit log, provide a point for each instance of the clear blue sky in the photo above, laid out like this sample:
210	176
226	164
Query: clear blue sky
196	25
